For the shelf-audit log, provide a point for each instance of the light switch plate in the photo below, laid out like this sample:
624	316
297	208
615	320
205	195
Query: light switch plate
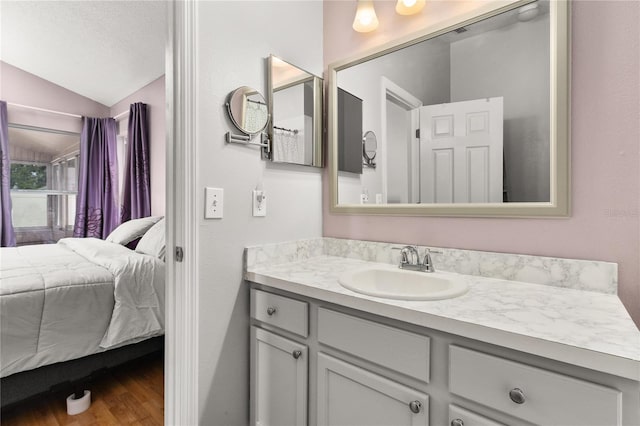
259	203
213	203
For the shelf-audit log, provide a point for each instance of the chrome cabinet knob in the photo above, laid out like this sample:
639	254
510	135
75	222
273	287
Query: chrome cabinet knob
415	406
517	395
457	422
296	354
271	310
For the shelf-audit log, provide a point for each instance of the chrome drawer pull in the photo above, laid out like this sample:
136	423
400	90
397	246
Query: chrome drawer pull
271	310
517	395
415	406
457	422
297	354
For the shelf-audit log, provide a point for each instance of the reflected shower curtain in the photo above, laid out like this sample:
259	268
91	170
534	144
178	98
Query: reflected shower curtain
96	204
136	197
7	234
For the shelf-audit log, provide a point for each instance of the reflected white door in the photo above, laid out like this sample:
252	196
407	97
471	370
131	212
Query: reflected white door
400	156
461	152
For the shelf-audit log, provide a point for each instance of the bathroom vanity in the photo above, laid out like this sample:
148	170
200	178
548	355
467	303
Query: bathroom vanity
504	353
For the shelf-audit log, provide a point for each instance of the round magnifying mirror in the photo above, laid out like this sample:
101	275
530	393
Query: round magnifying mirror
248	110
369	147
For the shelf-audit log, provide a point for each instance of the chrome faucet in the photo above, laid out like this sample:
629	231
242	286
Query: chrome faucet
410	259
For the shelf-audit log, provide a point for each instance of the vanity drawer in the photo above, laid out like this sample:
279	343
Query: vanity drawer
460	417
399	350
542	397
279	311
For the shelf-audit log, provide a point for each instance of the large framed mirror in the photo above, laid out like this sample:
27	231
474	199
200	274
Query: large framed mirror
295	99
472	118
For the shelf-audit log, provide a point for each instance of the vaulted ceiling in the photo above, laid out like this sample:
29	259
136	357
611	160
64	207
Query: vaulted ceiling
104	50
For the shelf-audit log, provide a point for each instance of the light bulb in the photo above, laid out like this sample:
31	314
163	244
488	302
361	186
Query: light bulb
366	19
409	7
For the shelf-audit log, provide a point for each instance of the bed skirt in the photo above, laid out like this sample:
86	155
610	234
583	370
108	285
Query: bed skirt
26	384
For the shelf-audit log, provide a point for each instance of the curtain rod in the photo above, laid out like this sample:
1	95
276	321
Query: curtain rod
45	110
42	129
59	112
121	114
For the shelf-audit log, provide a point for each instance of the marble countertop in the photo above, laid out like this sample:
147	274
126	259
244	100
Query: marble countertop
584	328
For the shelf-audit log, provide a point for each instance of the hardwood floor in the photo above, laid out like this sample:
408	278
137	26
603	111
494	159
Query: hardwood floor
129	395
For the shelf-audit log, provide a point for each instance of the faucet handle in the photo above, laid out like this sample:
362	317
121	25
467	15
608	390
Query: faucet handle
403	254
405	251
427	262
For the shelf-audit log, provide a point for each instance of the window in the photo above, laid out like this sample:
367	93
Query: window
28	195
44	183
28	176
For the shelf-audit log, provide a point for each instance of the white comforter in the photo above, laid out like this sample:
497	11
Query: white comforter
80	296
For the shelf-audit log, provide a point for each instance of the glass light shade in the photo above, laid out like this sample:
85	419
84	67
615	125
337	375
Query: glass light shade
366	19
409	7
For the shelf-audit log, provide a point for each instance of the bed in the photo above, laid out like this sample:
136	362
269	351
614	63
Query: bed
81	296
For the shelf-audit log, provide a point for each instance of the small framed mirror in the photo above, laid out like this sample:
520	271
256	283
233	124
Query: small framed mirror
369	149
248	110
295	102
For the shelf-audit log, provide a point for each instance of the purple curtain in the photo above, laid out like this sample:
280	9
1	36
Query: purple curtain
136	195
7	235
96	203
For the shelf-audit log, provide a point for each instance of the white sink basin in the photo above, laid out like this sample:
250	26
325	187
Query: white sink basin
392	282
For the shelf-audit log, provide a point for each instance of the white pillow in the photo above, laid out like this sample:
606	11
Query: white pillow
132	229
153	242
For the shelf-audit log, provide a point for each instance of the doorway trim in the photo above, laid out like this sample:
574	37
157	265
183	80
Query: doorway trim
181	291
410	103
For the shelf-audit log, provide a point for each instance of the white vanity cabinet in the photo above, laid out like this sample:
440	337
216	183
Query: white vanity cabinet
357	368
533	394
279	365
351	396
460	417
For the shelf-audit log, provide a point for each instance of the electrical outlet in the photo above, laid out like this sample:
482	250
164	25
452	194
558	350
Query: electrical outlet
259	203
213	203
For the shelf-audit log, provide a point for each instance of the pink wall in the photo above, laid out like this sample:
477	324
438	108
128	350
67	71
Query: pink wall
605	222
20	87
153	95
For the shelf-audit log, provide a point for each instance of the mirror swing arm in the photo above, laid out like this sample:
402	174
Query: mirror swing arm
243	139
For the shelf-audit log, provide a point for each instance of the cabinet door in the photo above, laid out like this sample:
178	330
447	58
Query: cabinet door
279	371
349	395
460	417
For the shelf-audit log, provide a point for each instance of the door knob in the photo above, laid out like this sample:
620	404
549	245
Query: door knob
271	310
457	422
415	406
297	354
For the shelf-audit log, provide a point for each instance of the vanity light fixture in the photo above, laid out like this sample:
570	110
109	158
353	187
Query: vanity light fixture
366	19
409	7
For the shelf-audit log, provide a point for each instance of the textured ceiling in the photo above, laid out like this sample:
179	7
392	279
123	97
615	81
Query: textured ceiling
104	50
